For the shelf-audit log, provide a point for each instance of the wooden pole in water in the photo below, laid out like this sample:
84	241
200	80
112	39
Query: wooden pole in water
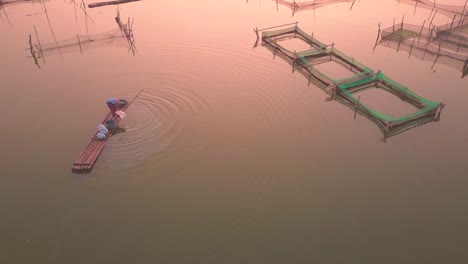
463	12
378	37
33	53
294	61
451	25
39	42
399	42
420	31
433	7
412	44
459	43
311	39
79	43
415	6
355	109
351	8
402	20
438	54
258	38
430	23
425	50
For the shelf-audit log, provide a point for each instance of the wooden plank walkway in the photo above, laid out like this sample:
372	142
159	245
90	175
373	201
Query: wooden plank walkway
88	157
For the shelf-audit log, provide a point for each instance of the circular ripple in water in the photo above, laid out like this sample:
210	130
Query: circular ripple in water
163	120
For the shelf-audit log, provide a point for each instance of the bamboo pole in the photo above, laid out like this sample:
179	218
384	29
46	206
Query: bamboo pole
50	26
411	50
459	44
463	12
378	36
39	42
357	105
79	43
33	53
294	23
420	31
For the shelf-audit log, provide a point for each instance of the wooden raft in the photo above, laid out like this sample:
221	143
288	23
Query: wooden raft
88	157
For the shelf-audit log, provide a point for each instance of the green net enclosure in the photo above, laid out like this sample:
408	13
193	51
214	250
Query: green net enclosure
274	39
299	5
358	77
427	110
312	60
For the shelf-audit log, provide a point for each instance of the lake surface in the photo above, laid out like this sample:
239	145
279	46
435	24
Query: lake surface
228	156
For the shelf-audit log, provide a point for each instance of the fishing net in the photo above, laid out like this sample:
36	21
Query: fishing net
446	44
311	59
82	43
299	5
359	78
445	9
427	110
7	3
273	39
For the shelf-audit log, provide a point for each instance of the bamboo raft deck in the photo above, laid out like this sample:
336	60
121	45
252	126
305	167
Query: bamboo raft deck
88	157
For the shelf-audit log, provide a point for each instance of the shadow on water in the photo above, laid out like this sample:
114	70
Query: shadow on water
118	130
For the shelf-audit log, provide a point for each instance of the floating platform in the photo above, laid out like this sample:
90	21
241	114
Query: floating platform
88	157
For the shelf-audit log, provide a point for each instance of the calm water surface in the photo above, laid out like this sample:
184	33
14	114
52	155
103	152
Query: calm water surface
228	157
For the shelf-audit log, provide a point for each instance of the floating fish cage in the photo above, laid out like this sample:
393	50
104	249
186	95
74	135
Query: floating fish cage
311	60
358	77
272	39
427	110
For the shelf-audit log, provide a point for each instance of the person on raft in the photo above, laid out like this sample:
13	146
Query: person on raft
113	105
